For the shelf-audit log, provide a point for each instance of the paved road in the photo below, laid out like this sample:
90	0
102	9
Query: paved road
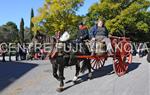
35	78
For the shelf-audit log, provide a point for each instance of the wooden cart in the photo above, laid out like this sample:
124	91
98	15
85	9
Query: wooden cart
121	55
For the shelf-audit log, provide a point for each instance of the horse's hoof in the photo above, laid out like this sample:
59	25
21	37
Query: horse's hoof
60	89
75	82
90	76
75	79
56	77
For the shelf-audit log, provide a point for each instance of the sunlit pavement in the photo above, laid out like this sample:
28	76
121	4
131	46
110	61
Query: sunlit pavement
35	78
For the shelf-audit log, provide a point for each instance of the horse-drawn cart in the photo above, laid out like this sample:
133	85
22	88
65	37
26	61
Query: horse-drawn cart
121	55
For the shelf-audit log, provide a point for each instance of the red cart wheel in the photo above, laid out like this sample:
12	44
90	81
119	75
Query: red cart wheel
97	63
122	57
121	64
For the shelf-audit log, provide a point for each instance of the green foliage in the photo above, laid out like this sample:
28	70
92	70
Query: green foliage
9	32
27	35
142	26
22	30
123	17
31	24
57	15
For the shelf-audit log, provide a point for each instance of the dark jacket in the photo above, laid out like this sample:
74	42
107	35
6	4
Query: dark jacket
98	31
83	33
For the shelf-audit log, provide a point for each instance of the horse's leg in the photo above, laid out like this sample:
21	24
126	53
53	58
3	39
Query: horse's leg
55	68
77	72
61	78
87	61
61	73
89	68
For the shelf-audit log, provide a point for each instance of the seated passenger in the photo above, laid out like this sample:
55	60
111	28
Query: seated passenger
83	32
99	33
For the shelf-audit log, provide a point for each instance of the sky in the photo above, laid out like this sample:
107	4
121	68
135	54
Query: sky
14	10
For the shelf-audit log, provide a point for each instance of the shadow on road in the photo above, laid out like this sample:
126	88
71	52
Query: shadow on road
11	71
133	66
106	70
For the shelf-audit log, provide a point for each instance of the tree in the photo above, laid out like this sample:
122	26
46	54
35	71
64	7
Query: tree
9	32
57	15
27	35
123	17
31	23
22	30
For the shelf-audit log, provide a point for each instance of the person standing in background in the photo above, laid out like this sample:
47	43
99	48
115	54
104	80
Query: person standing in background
3	51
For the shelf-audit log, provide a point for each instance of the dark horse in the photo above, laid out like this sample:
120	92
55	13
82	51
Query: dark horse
62	59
